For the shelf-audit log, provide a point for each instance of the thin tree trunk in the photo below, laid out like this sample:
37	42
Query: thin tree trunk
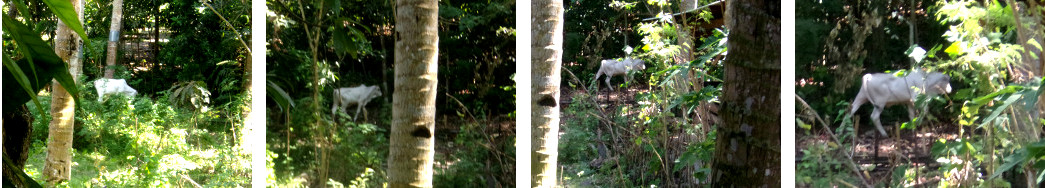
1039	15
156	37
747	149
547	23
114	37
1029	73
413	111
57	167
312	33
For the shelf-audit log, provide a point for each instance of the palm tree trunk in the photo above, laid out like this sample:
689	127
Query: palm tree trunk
114	37
546	47
747	149
413	111
57	167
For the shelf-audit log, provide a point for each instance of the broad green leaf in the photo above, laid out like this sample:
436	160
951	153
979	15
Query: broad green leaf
65	79
898	175
29	43
1011	161
43	64
997	111
23	80
65	12
279	95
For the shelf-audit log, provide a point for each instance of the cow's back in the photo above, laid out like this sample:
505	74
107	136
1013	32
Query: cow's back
108	84
886	89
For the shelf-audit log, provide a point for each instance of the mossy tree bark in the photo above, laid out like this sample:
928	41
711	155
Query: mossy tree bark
747	149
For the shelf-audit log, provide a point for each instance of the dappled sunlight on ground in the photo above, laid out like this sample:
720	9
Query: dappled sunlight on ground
879	155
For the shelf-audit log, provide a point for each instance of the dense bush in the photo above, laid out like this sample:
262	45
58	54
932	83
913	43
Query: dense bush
993	109
136	142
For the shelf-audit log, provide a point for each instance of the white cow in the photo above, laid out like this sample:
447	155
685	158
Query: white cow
612	68
359	96
107	86
883	90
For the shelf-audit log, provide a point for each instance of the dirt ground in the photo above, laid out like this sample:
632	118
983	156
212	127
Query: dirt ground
885	153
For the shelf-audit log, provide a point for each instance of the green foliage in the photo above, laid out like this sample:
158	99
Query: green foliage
67	14
820	163
40	61
279	95
365	146
579	132
667	126
478	165
141	142
356	46
974	42
840	41
597	30
38	65
192	95
697	154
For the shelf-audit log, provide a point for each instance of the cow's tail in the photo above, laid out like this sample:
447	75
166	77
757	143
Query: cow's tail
602	66
861	97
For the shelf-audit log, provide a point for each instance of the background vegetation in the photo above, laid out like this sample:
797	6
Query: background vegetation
658	130
353	43
985	133
154	139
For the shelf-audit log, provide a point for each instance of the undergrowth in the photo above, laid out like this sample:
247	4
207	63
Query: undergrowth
141	142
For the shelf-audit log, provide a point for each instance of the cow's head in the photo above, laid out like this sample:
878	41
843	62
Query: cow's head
132	92
639	64
374	92
937	83
636	64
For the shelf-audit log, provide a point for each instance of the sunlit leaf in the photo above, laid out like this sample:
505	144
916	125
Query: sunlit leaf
954	49
1034	43
279	95
42	61
65	12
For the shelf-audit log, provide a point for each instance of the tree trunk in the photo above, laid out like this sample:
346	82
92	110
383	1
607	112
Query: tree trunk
747	149
247	82
17	133
546	47
114	37
413	111
57	167
156	37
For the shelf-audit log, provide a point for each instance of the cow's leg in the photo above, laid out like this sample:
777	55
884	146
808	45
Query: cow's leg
344	107
597	79
875	116
627	81
365	114
608	82
333	107
359	106
911	111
